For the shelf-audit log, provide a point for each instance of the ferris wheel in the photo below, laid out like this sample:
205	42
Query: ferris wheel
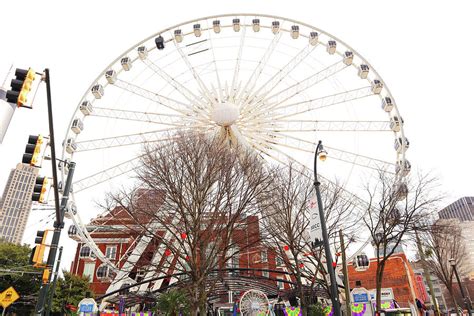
254	303
272	84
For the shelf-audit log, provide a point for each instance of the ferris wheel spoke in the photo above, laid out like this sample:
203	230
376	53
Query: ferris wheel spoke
195	74
347	195
268	86
301	86
179	87
296	143
126	140
216	70
107	174
318	103
235	77
169	103
298	126
149	117
252	81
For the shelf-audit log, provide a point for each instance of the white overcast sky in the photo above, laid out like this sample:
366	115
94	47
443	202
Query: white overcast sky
422	50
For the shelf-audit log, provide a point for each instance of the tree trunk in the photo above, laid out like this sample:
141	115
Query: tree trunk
378	285
451	293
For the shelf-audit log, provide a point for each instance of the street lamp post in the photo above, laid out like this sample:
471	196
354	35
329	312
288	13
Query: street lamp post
466	300
321	154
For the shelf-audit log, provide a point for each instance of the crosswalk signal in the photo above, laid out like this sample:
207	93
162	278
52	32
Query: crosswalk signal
33	150
39	190
37	253
21	86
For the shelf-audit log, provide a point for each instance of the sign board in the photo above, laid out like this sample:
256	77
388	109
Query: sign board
386	294
87	305
8	296
360	295
315	232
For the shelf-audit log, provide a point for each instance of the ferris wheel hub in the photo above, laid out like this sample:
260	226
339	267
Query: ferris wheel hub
225	114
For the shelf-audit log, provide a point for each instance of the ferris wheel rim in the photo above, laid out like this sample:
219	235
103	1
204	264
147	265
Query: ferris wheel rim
125	53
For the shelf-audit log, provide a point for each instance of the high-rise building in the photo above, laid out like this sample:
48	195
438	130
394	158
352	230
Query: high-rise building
462	209
15	205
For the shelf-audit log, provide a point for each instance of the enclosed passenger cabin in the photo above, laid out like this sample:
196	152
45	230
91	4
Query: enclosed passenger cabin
363	71
348	58
216	26
236	25
275	27
313	38
401	146
256	25
396	123
295	31
126	63
77	125
387	104
160	42
71	145
178	35
142	52
377	86
331	48
111	76
98	91
197	29
400	191
86	108
361	262
403	167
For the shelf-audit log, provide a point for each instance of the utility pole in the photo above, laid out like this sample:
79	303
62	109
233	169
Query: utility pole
60	209
49	303
321	153
426	272
345	272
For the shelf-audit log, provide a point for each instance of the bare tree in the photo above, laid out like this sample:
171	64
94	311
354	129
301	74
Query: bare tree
194	194
443	241
287	225
394	211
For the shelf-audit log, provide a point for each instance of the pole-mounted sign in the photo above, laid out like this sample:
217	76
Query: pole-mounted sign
315	232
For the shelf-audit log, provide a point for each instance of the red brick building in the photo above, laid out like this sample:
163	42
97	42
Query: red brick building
116	234
398	275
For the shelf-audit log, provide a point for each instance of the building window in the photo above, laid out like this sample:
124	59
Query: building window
279	261
111	252
264	256
104	272
85	252
265	274
88	272
280	285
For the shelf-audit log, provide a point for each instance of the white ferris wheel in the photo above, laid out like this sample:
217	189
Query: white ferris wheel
254	303
272	84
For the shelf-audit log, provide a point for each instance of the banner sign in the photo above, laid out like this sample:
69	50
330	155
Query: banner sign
315	232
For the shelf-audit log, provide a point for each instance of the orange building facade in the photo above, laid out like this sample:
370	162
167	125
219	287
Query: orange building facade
398	275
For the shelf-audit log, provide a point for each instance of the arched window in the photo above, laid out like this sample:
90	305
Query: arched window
104	272
85	252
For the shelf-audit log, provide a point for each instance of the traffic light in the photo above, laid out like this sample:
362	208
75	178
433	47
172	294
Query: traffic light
37	254
33	150
21	86
39	190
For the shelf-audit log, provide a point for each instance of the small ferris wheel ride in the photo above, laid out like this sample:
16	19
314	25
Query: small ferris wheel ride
269	83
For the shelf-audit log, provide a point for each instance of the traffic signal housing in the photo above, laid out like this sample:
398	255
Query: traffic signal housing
40	189
37	253
21	86
32	153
